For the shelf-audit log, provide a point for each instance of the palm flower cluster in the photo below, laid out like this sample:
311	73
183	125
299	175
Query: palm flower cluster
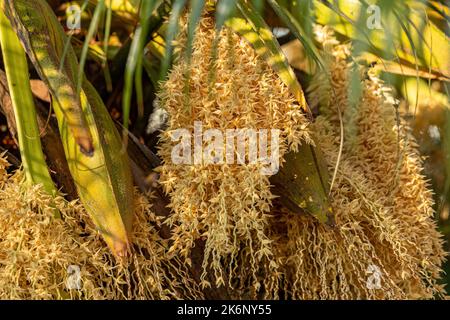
385	243
39	254
225	205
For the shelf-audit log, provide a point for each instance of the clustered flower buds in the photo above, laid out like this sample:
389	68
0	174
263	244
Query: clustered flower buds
385	243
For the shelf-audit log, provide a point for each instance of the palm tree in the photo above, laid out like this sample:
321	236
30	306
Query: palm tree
105	65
